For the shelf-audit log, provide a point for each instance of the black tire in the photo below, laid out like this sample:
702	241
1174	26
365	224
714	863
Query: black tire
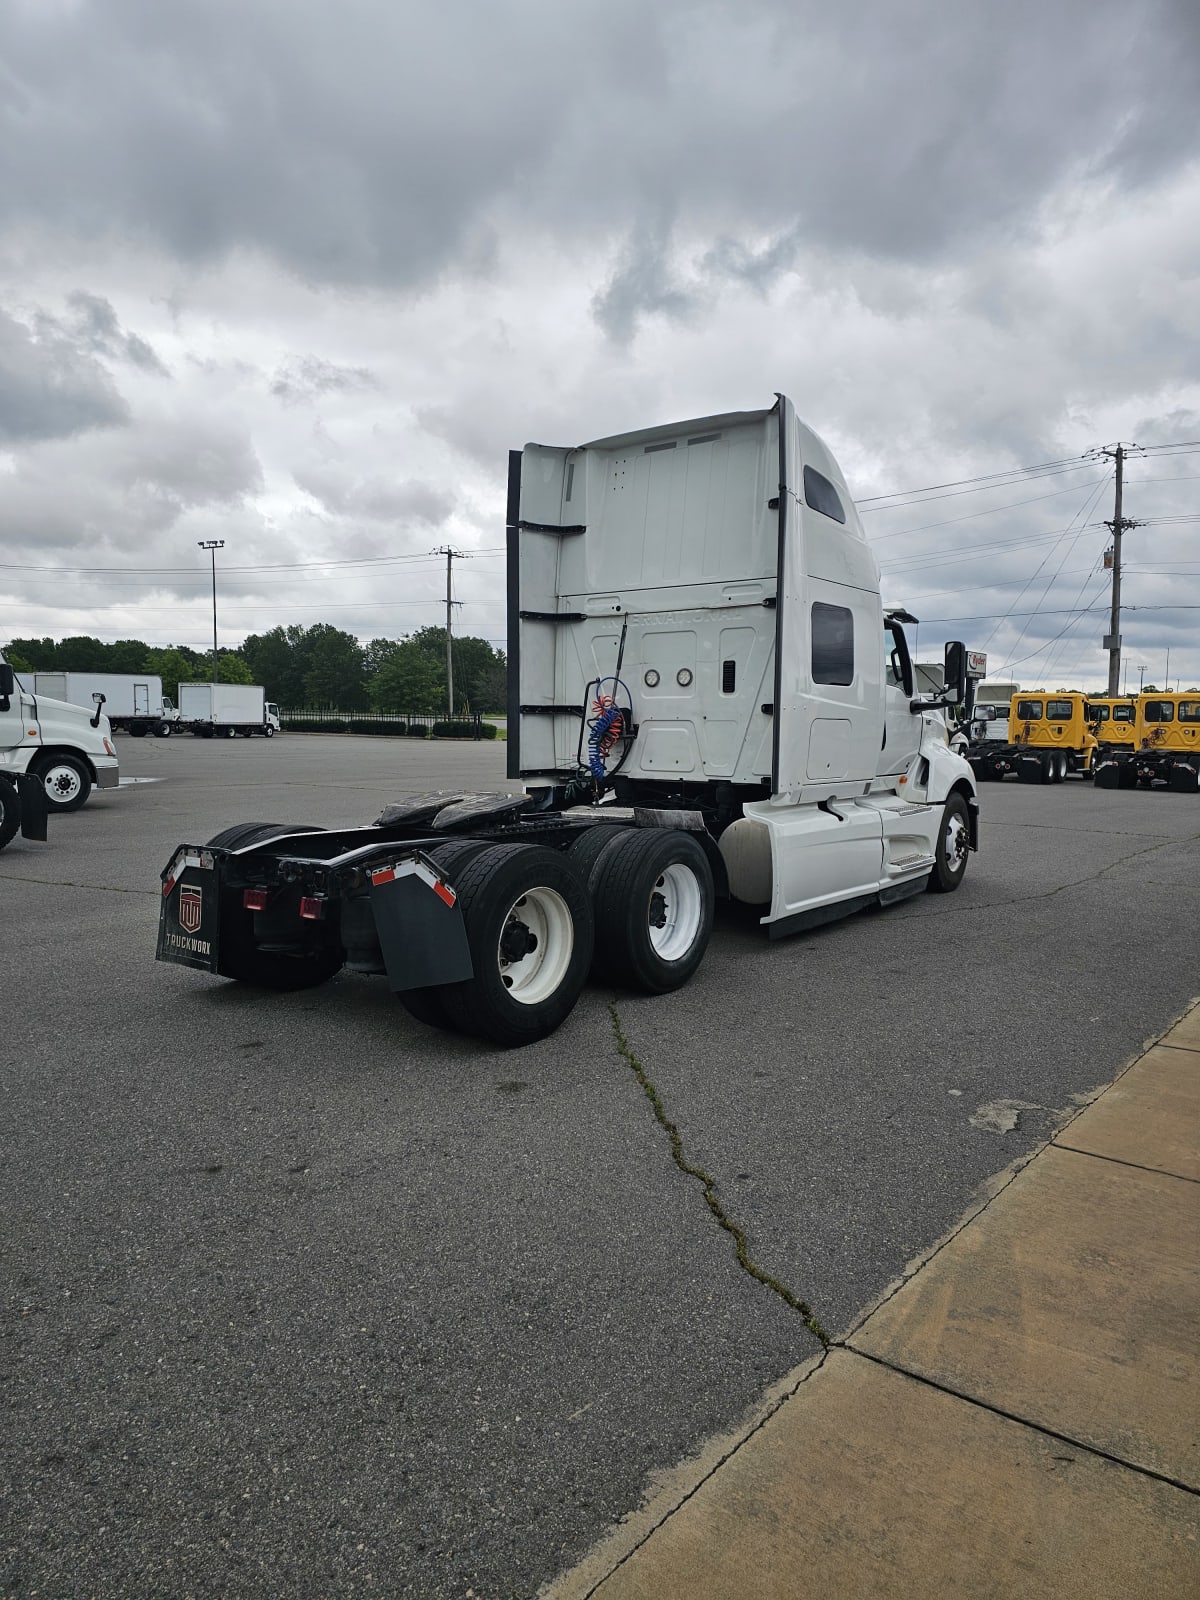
269	731
584	850
163	731
10	812
429	1005
950	856
138	730
66	780
230	733
637	878
241	834
494	887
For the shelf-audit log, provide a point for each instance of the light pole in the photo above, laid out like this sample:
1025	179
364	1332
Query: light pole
1141	674
213	545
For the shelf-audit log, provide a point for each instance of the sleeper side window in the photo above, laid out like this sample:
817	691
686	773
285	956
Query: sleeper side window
820	494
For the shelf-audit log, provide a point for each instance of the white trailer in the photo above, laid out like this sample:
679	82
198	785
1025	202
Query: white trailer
225	710
67	751
133	702
706	700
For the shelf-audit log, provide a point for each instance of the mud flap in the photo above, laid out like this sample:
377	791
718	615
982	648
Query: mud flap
189	916
421	930
35	808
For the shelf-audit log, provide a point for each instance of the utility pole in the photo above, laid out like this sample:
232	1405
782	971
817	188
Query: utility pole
1112	639
213	545
1141	675
450	554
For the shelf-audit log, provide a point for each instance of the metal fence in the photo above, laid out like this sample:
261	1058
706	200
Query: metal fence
398	725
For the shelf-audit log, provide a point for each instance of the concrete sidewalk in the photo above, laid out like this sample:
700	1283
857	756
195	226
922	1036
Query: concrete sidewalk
1020	1417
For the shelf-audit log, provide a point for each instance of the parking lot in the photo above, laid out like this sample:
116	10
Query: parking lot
303	1298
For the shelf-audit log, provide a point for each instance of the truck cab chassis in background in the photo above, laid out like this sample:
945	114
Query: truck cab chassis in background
1165	746
706	700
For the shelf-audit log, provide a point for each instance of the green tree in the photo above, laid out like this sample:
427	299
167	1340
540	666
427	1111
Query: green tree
335	669
232	668
277	659
39	653
81	653
17	661
127	655
479	670
405	679
173	667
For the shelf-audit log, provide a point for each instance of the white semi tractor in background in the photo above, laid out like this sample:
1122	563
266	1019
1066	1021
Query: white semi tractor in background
227	710
59	745
133	702
706	699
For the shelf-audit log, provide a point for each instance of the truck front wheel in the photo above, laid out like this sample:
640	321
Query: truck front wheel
953	846
653	897
67	782
529	929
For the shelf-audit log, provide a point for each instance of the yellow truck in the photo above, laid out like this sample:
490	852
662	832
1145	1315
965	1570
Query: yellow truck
1049	735
1166	746
1114	720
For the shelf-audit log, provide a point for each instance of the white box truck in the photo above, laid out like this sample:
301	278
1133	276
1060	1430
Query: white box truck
133	703
706	700
67	751
225	710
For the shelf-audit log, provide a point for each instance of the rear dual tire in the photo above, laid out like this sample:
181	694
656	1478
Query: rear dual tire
529	929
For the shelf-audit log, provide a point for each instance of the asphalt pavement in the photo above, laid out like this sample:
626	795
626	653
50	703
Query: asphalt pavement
301	1297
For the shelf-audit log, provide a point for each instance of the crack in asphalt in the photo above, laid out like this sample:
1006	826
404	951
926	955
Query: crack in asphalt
1075	883
67	883
711	1200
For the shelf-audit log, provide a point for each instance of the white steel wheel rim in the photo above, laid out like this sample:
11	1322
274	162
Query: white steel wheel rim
63	784
683	910
956	842
538	974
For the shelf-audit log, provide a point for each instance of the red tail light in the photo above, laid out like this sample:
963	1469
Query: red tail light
255	899
312	908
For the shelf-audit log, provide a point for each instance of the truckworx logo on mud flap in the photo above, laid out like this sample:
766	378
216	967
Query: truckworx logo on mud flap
191	906
196	947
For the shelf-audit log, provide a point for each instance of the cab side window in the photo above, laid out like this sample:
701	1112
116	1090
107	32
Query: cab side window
1160	711
1029	710
832	643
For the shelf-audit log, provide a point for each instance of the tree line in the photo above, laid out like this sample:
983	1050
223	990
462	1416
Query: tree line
319	668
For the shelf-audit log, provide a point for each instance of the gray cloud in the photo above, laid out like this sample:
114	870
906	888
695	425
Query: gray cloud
97	328
375	498
50	388
301	380
372	145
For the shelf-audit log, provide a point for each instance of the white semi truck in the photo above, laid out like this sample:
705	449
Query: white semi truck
67	751
133	702
227	710
706	700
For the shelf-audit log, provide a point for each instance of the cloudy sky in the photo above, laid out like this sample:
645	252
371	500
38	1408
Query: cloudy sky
296	275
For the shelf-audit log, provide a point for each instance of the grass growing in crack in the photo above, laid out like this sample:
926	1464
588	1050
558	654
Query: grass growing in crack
710	1189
